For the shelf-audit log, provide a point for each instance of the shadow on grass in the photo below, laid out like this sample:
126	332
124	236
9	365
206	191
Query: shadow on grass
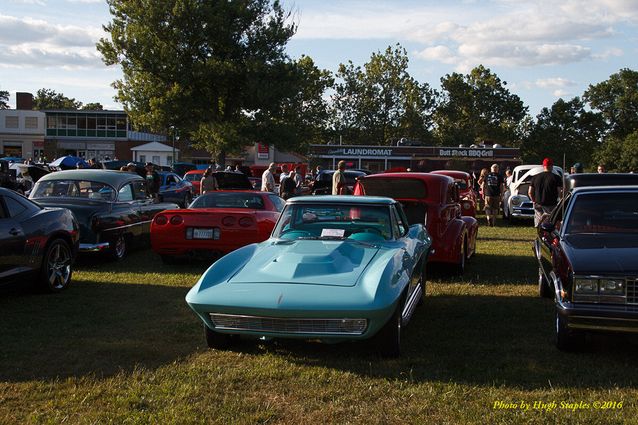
490	269
479	340
96	328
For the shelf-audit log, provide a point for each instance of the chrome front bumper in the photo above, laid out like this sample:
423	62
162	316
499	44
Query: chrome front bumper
608	318
94	247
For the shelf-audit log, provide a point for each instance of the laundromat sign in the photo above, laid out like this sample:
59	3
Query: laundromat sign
467	153
361	152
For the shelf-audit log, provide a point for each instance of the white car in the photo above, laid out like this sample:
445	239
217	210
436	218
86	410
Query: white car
516	203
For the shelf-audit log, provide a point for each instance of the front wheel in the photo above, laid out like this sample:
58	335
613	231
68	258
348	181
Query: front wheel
544	289
460	265
389	337
56	271
566	339
119	248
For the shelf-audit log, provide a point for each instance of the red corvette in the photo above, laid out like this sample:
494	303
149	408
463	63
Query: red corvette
215	223
466	193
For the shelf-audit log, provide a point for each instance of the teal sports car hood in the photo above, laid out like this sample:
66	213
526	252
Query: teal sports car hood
309	262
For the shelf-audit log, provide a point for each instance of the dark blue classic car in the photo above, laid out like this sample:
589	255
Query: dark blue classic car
112	207
36	244
175	189
588	259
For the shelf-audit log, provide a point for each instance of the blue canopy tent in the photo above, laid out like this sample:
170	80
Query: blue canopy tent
69	162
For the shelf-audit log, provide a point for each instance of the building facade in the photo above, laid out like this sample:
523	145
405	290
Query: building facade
22	133
416	158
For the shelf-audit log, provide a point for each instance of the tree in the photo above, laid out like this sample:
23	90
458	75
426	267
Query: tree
565	129
49	99
478	107
617	99
381	103
619	155
4	99
96	106
216	70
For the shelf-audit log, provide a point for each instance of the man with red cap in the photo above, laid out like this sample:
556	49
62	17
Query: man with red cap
544	191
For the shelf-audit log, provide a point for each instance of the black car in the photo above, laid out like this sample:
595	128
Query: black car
322	184
587	251
36	243
113	208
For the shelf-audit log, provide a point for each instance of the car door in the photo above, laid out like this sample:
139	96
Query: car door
168	189
13	260
549	241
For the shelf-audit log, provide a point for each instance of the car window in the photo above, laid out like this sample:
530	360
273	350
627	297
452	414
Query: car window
139	190
401	226
169	180
73	189
14	208
278	202
229	200
399	188
603	213
125	194
342	221
195	177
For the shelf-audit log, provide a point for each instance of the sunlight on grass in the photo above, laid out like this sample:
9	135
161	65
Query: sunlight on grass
122	346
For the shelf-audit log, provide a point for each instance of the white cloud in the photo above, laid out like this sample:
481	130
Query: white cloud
556	82
561	93
15	31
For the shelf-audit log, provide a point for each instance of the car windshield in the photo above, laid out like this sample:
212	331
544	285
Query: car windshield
461	183
320	221
229	200
74	189
195	177
604	213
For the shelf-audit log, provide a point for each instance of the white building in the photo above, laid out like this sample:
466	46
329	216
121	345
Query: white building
22	133
155	152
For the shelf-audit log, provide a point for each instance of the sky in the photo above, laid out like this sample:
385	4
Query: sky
543	50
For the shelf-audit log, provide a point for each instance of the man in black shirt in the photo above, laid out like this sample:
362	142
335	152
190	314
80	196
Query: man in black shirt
152	181
544	191
492	189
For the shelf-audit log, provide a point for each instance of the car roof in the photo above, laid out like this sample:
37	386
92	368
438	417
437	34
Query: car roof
195	172
606	179
437	184
341	199
611	188
457	174
111	177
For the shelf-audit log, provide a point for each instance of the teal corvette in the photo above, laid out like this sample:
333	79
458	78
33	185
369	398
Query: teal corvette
335	268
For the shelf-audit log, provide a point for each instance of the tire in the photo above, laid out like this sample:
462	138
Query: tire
544	289
57	266
566	339
120	248
388	340
216	340
423	282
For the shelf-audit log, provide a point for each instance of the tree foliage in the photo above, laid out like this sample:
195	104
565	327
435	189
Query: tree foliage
617	99
381	102
95	106
50	99
619	154
478	107
564	129
215	69
4	99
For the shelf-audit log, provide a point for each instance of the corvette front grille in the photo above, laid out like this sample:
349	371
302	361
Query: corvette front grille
344	326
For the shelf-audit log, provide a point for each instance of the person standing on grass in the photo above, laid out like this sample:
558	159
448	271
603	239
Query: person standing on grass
339	180
544	191
493	189
268	178
209	182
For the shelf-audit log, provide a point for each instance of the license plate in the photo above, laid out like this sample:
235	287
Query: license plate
202	233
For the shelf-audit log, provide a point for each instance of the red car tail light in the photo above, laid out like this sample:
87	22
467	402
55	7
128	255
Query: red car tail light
161	220
245	222
177	219
229	221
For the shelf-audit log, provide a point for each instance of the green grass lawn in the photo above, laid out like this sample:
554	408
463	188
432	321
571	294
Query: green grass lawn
121	346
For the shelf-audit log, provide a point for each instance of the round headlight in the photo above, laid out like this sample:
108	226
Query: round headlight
467	205
516	201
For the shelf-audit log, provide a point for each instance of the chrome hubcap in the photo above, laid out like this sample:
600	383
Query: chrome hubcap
59	266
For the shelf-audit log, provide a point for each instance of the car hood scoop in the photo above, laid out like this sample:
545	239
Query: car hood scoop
313	262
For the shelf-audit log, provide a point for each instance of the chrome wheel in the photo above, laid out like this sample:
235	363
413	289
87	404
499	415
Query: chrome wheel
57	266
119	248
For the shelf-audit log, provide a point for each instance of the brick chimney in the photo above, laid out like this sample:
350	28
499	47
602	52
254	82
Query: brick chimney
24	101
